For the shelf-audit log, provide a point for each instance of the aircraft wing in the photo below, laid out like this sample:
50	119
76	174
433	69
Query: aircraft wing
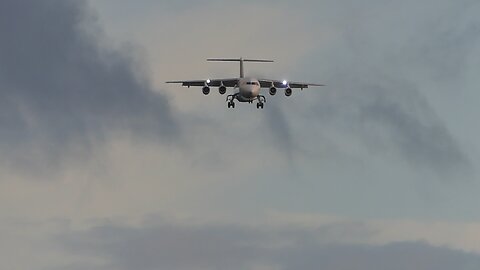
265	83
212	82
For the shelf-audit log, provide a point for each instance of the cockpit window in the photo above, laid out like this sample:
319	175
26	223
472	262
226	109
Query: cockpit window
252	83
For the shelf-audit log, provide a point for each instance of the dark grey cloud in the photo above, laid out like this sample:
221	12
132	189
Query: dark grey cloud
280	129
381	76
391	116
61	84
445	42
232	247
165	247
396	256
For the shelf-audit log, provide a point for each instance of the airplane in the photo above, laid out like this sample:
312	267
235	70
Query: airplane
248	87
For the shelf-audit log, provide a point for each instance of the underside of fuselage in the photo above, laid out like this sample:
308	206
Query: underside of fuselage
242	98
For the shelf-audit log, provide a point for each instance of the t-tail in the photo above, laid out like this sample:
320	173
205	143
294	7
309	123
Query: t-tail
241	60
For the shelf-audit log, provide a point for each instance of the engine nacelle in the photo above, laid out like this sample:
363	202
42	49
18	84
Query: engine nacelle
288	92
206	90
273	91
222	90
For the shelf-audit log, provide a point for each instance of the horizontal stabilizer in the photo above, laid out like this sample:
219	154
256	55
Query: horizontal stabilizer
239	60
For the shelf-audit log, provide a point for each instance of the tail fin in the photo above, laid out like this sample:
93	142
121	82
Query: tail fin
241	60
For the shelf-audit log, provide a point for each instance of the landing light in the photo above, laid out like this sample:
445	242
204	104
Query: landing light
208	81
284	82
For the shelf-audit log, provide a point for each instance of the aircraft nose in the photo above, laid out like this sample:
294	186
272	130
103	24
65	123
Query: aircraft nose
248	92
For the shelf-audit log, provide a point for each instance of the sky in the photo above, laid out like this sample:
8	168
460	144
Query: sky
104	166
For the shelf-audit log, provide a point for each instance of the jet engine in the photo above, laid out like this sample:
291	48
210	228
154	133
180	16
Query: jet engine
222	90
288	92
273	91
206	90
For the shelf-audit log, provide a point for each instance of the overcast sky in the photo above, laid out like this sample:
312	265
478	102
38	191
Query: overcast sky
104	166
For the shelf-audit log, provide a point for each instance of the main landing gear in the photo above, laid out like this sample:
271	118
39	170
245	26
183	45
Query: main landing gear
261	100
230	99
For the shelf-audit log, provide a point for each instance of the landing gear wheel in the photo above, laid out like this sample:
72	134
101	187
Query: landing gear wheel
262	99
259	105
231	104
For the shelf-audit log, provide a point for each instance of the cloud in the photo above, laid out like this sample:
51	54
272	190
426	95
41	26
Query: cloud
426	143
388	116
280	130
382	76
392	256
373	66
446	41
168	246
62	85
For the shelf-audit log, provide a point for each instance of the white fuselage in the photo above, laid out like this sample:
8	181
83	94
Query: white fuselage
249	89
